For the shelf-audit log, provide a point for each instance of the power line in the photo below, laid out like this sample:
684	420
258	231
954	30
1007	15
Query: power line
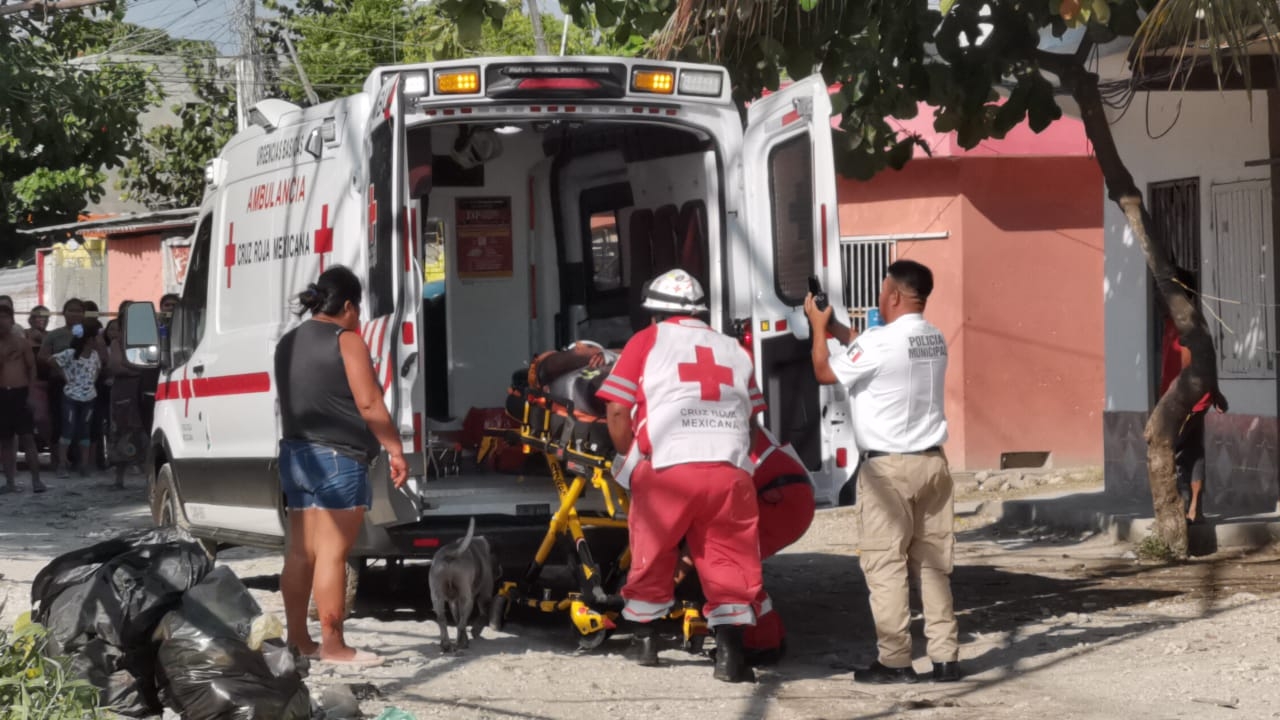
47	6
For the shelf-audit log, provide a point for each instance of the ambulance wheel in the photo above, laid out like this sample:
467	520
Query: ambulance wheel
355	569
166	511
848	494
498	613
587	643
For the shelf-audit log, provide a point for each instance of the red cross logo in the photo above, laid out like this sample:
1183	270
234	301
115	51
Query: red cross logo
229	254
706	373
324	236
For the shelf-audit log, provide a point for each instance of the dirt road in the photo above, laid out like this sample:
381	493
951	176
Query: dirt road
1051	627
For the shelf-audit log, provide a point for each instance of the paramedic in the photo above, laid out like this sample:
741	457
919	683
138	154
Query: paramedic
693	396
333	421
895	375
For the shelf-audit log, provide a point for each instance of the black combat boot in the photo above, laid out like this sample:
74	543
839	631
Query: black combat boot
731	661
646	639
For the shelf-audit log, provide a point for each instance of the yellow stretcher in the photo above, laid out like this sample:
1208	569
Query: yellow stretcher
594	606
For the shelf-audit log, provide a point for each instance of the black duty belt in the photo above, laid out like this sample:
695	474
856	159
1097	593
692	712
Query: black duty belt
867	455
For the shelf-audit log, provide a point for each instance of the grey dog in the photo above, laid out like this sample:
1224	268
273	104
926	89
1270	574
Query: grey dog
462	581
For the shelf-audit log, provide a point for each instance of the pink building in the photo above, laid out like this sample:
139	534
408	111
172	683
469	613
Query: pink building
112	259
1013	232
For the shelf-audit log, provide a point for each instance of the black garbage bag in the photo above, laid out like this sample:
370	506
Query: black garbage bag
213	675
73	567
221	605
102	603
125	681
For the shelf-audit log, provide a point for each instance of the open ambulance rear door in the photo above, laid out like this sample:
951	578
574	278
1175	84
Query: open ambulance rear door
394	293
790	187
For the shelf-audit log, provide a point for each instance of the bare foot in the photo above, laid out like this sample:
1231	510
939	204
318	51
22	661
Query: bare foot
350	656
38	485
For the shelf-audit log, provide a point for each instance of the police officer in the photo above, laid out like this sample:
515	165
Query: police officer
895	375
684	395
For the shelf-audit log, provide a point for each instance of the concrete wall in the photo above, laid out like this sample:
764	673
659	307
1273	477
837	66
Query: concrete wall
1017	294
1210	136
1033	308
135	270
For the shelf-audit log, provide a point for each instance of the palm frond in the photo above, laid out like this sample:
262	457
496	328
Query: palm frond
724	28
1229	33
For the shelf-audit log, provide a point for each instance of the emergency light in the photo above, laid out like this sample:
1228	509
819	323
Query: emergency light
662	82
701	82
415	84
458	82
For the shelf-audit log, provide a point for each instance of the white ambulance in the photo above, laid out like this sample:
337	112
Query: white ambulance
545	192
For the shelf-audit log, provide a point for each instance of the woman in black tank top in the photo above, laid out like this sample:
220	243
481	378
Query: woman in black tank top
333	422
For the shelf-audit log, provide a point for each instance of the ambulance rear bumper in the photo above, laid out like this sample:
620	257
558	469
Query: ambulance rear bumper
514	539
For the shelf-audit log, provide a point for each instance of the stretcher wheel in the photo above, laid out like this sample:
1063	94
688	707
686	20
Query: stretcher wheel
694	645
591	641
498	613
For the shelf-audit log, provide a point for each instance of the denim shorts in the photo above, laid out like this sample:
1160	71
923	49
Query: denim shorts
77	417
316	476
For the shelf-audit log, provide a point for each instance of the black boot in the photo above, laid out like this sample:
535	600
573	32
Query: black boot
647	640
731	662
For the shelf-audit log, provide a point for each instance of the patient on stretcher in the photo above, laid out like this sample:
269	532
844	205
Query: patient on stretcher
556	398
570	373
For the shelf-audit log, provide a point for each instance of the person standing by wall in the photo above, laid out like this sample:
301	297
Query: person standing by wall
129	414
17	372
38	399
693	393
54	342
1188	449
80	365
895	374
333	421
102	404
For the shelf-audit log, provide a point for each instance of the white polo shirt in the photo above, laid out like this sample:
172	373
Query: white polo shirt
895	375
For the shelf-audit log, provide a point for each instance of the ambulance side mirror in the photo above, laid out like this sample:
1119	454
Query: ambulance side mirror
141	335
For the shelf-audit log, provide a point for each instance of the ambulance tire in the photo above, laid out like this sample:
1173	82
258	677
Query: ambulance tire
166	510
355	570
848	494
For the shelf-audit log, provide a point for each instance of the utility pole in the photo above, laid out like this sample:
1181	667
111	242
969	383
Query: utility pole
249	67
535	17
302	73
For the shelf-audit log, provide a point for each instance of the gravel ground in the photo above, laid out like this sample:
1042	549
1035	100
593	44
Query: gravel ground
1056	626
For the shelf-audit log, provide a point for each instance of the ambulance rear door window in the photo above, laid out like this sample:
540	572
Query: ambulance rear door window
791	201
381	229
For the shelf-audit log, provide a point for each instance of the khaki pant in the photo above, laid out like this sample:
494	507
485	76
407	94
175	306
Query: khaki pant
906	527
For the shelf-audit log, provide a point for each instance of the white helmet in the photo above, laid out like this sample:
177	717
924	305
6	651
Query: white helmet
674	291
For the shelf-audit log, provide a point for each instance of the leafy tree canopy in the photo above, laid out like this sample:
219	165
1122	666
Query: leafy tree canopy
339	43
168	169
63	117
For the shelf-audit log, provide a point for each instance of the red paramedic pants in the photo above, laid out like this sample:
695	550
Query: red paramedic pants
785	515
713	507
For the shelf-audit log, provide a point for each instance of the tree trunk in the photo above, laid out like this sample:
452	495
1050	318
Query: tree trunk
1201	376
